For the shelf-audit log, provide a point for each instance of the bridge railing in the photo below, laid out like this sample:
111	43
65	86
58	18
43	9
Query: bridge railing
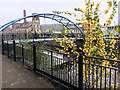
88	72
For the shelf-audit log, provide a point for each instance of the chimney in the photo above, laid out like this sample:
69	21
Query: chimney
24	13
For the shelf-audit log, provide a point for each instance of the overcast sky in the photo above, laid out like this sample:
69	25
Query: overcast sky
13	9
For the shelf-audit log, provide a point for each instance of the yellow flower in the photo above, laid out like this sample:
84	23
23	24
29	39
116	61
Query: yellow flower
105	32
88	5
109	4
118	29
68	55
74	15
71	50
91	15
97	9
115	58
80	48
106	11
78	19
93	4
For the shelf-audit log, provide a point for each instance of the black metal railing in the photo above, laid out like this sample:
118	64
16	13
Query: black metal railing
84	73
101	73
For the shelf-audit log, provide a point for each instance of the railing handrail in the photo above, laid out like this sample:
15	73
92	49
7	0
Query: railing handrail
103	58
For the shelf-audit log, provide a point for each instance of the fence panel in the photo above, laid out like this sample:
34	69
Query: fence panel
43	60
11	53
19	52
58	66
28	55
101	73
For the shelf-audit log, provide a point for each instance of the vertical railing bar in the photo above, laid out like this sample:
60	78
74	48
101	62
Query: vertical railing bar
14	50
23	53
105	78
101	79
93	77
2	45
96	76
55	64
51	63
40	63
80	71
8	48
76	76
85	74
110	80
43	64
63	72
115	80
73	71
34	57
89	74
59	68
70	72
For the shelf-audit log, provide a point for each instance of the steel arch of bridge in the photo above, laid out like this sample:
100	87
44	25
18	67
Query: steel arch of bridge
64	21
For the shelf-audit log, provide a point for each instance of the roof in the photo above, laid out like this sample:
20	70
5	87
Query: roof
22	24
7	30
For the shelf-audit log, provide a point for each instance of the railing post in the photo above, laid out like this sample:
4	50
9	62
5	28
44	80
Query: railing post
51	64
8	49
118	76
80	71
2	45
34	57
12	36
23	53
14	50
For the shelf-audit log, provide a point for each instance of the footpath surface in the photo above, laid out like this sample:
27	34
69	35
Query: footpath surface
15	75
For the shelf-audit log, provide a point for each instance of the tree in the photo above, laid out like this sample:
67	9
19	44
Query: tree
94	44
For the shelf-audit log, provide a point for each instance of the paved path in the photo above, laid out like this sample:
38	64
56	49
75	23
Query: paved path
15	75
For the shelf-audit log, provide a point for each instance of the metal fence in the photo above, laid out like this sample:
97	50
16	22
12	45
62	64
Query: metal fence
101	73
86	73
